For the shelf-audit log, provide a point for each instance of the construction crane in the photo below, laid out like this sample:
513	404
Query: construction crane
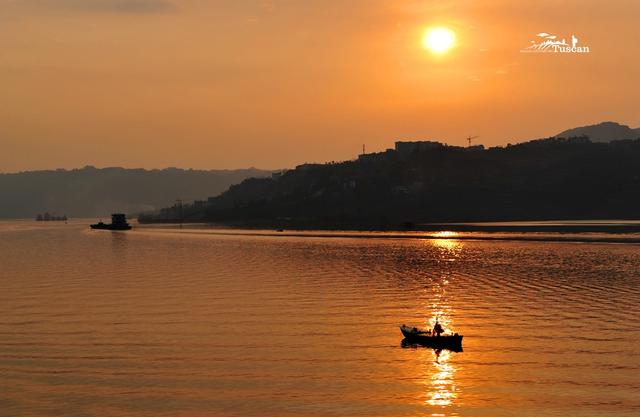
471	137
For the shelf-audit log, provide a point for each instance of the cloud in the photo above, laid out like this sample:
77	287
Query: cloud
108	6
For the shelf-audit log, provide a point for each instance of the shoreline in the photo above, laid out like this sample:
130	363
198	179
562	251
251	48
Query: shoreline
220	230
616	226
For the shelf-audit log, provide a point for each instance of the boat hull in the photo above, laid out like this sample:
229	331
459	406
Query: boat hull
109	227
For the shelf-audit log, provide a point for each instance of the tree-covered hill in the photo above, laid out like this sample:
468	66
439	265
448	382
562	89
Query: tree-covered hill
543	179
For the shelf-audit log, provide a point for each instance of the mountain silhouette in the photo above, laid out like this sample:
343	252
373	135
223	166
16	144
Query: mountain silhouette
602	132
90	191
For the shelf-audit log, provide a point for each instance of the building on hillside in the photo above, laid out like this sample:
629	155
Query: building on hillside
407	148
377	156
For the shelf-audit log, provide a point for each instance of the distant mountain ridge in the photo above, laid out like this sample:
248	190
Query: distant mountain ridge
90	191
602	132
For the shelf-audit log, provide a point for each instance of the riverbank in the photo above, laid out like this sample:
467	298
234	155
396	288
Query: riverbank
545	226
620	232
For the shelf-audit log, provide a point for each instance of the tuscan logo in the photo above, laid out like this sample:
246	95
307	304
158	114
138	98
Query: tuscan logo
547	43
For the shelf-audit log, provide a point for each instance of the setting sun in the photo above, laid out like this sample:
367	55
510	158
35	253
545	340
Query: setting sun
439	40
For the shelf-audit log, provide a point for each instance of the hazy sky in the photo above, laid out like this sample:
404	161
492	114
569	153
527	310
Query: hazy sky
238	83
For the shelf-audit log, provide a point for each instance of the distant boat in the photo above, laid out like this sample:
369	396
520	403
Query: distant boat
118	222
428	338
46	217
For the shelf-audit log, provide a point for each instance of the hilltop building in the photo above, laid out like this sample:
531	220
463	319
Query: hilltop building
376	156
407	148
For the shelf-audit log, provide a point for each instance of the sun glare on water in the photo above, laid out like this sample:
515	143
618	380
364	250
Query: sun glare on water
439	40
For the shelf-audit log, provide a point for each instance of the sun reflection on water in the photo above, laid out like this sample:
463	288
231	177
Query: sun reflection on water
443	389
449	247
449	244
445	234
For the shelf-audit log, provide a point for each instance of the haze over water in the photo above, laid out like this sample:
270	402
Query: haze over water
162	322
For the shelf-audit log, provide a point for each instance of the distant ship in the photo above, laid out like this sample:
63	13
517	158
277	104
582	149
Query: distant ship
118	222
46	217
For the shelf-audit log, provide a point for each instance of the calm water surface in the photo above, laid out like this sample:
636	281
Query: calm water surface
160	322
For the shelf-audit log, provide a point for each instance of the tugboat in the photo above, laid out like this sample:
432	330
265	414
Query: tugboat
118	222
432	338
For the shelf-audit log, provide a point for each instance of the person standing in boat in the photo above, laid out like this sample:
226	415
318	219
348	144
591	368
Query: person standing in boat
437	328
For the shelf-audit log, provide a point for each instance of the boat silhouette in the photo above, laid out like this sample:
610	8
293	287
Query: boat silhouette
118	222
414	335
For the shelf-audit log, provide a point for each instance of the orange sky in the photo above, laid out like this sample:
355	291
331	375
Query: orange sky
238	83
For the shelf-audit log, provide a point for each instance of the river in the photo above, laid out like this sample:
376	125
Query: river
163	321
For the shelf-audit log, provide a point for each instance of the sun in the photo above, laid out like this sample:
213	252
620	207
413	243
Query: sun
438	39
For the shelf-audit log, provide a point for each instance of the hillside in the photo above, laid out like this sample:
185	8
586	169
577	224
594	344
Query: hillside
90	192
544	179
602	132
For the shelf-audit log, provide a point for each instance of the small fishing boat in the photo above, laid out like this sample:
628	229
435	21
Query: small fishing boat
431	339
